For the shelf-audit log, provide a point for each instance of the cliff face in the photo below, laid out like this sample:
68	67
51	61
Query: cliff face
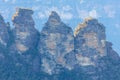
23	49
90	42
56	41
56	53
4	33
4	39
25	35
93	53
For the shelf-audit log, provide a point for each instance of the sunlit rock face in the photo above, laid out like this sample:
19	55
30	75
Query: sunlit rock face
56	42
90	41
23	49
93	53
25	35
55	53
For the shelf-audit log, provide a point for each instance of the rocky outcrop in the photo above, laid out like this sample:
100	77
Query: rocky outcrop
93	53
23	49
4	39
112	63
4	33
25	35
56	42
90	41
111	53
55	53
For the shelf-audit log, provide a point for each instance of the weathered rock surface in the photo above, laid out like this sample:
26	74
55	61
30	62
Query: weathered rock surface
55	53
56	42
4	33
93	52
4	39
90	41
25	35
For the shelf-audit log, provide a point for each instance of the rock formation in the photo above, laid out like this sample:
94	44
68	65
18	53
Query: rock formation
4	39
93	52
4	33
55	53
56	42
90	41
25	35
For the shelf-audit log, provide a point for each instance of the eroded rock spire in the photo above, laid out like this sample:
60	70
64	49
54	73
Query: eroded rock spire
25	35
56	42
